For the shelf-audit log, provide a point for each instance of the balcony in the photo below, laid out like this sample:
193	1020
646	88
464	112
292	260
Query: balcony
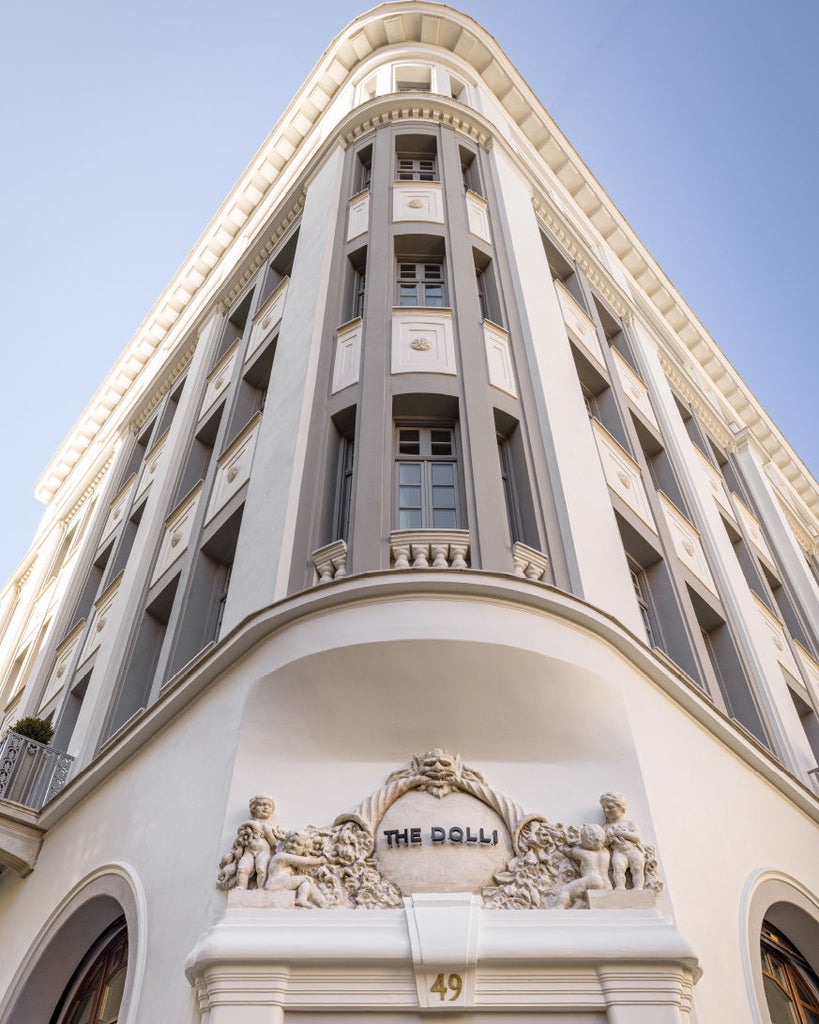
31	773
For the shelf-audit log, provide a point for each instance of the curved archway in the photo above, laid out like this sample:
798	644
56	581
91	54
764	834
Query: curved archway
792	909
71	931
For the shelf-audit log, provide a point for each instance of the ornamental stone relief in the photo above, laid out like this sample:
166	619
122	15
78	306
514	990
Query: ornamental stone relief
436	826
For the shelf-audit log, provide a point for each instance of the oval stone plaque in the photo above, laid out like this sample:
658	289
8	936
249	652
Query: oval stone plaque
452	844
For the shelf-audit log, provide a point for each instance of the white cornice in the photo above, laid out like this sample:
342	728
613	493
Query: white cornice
413	23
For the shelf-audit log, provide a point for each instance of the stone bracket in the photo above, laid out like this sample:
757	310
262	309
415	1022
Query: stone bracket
443	933
20	837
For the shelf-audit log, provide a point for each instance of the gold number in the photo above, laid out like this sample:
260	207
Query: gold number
455	983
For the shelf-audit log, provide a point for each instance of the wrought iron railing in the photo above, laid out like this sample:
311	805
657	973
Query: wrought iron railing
31	773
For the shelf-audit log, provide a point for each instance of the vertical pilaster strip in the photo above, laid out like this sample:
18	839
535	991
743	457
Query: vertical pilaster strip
265	550
597	565
752	461
487	525
759	653
372	500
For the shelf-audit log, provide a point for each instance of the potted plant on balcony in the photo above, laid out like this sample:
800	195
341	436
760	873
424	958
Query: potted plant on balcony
34	729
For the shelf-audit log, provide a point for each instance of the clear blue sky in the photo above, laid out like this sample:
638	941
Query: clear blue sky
126	125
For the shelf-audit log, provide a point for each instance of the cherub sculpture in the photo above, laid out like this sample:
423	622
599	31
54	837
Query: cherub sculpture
592	858
283	875
252	849
623	840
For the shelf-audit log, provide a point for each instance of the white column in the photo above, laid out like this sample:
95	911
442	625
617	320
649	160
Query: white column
594	549
740	607
264	555
790	557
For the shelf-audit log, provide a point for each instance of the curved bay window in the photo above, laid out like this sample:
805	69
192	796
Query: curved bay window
94	995
791	987
426	478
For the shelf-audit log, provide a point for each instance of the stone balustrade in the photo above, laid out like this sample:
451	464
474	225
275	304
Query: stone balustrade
528	563
430	549
331	561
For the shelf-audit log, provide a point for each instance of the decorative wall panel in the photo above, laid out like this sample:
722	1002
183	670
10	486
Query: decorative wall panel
580	327
417	200
233	467
499	358
348	354
422	341
622	474
177	533
687	544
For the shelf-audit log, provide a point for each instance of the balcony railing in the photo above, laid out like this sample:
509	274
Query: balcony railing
430	549
31	773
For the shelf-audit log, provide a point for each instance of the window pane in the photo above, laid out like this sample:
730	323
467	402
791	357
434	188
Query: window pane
409	519
409	442
406	271
440	442
434	295
409	497
443	519
82	1011
443	473
780	1007
409	473
433	272
112	998
443	497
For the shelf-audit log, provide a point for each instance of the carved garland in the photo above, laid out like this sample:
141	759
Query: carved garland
337	866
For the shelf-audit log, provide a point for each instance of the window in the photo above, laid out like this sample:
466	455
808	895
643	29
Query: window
363	168
482	301
641	592
791	987
488	298
509	493
359	288
426	478
469	171
94	995
421	284
413	78
417	168
344	490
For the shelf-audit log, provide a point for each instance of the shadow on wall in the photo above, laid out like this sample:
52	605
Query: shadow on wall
324	731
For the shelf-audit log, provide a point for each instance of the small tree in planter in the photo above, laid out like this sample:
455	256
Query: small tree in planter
34	729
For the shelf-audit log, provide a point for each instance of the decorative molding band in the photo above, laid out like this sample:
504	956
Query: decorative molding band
164	385
581	251
89	490
260	252
810	545
679	379
23	578
435	110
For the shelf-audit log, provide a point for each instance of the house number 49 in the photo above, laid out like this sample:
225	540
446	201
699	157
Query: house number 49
454	984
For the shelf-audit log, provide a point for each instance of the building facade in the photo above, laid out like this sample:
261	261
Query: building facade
422	518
